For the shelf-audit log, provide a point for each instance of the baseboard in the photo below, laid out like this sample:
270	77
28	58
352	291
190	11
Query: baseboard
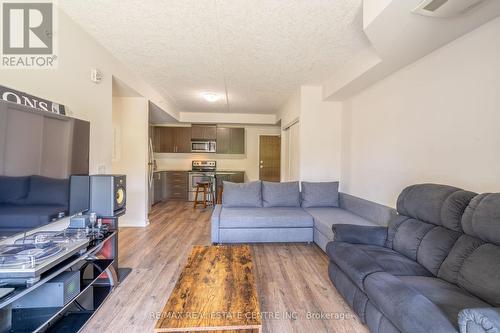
125	223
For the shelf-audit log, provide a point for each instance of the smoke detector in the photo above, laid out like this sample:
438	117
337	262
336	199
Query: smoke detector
445	8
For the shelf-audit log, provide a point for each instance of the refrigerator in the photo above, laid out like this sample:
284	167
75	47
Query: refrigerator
151	169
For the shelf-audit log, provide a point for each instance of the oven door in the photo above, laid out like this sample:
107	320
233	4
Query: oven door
199	177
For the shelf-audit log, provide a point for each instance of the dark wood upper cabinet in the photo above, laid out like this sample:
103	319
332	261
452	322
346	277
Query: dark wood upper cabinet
172	139
223	140
204	132
164	139
183	139
169	139
237	141
230	140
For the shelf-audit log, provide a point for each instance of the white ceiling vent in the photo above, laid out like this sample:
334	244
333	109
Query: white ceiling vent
445	8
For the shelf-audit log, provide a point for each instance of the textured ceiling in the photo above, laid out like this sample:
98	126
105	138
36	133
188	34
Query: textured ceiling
261	50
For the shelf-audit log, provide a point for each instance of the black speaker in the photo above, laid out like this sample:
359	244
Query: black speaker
79	194
108	195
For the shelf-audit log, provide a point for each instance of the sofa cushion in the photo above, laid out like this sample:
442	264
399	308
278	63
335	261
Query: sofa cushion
429	223
358	261
475	266
48	191
242	194
322	194
324	218
281	194
27	217
462	249
284	217
450	298
436	204
482	218
13	190
407	308
423	242
480	273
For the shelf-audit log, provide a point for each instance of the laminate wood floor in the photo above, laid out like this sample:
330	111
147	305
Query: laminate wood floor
295	292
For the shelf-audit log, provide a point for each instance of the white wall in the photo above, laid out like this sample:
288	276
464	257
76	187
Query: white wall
320	135
436	120
130	122
228	118
70	85
371	9
289	114
248	162
319	145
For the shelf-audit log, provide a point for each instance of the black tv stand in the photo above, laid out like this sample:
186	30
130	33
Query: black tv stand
99	277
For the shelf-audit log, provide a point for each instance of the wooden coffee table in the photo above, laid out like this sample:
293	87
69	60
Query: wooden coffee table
215	292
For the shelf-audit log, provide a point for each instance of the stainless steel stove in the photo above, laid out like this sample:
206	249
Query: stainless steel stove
203	166
201	171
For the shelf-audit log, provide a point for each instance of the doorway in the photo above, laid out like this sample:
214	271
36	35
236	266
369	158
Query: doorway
270	158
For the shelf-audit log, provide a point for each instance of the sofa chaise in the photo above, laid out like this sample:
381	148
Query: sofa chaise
435	268
278	212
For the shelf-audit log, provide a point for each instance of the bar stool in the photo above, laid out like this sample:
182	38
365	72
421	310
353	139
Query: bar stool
220	189
208	196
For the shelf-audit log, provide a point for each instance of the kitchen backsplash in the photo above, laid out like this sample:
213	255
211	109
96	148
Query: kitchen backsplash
183	161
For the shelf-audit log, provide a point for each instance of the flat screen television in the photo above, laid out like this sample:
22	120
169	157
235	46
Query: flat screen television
44	167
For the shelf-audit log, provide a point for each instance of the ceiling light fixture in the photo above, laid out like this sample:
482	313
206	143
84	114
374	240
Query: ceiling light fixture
210	97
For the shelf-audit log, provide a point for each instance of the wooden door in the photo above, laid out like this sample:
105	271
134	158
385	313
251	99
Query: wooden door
183	139
270	158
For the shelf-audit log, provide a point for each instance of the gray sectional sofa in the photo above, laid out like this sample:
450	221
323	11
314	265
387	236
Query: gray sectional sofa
435	268
278	212
431	266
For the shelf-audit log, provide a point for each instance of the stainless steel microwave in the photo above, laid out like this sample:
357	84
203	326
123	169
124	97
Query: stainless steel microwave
203	146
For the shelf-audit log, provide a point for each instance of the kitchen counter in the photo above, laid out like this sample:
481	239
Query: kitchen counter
171	170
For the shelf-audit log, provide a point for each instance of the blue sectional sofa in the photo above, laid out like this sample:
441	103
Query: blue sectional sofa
30	202
278	212
435	268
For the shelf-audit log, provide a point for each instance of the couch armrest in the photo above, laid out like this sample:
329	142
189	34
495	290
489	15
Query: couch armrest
477	320
359	234
368	210
216	223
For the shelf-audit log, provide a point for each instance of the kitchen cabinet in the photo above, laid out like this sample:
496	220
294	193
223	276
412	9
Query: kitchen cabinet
169	139
170	185
204	132
237	177
157	188
183	139
172	139
230	140
176	185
